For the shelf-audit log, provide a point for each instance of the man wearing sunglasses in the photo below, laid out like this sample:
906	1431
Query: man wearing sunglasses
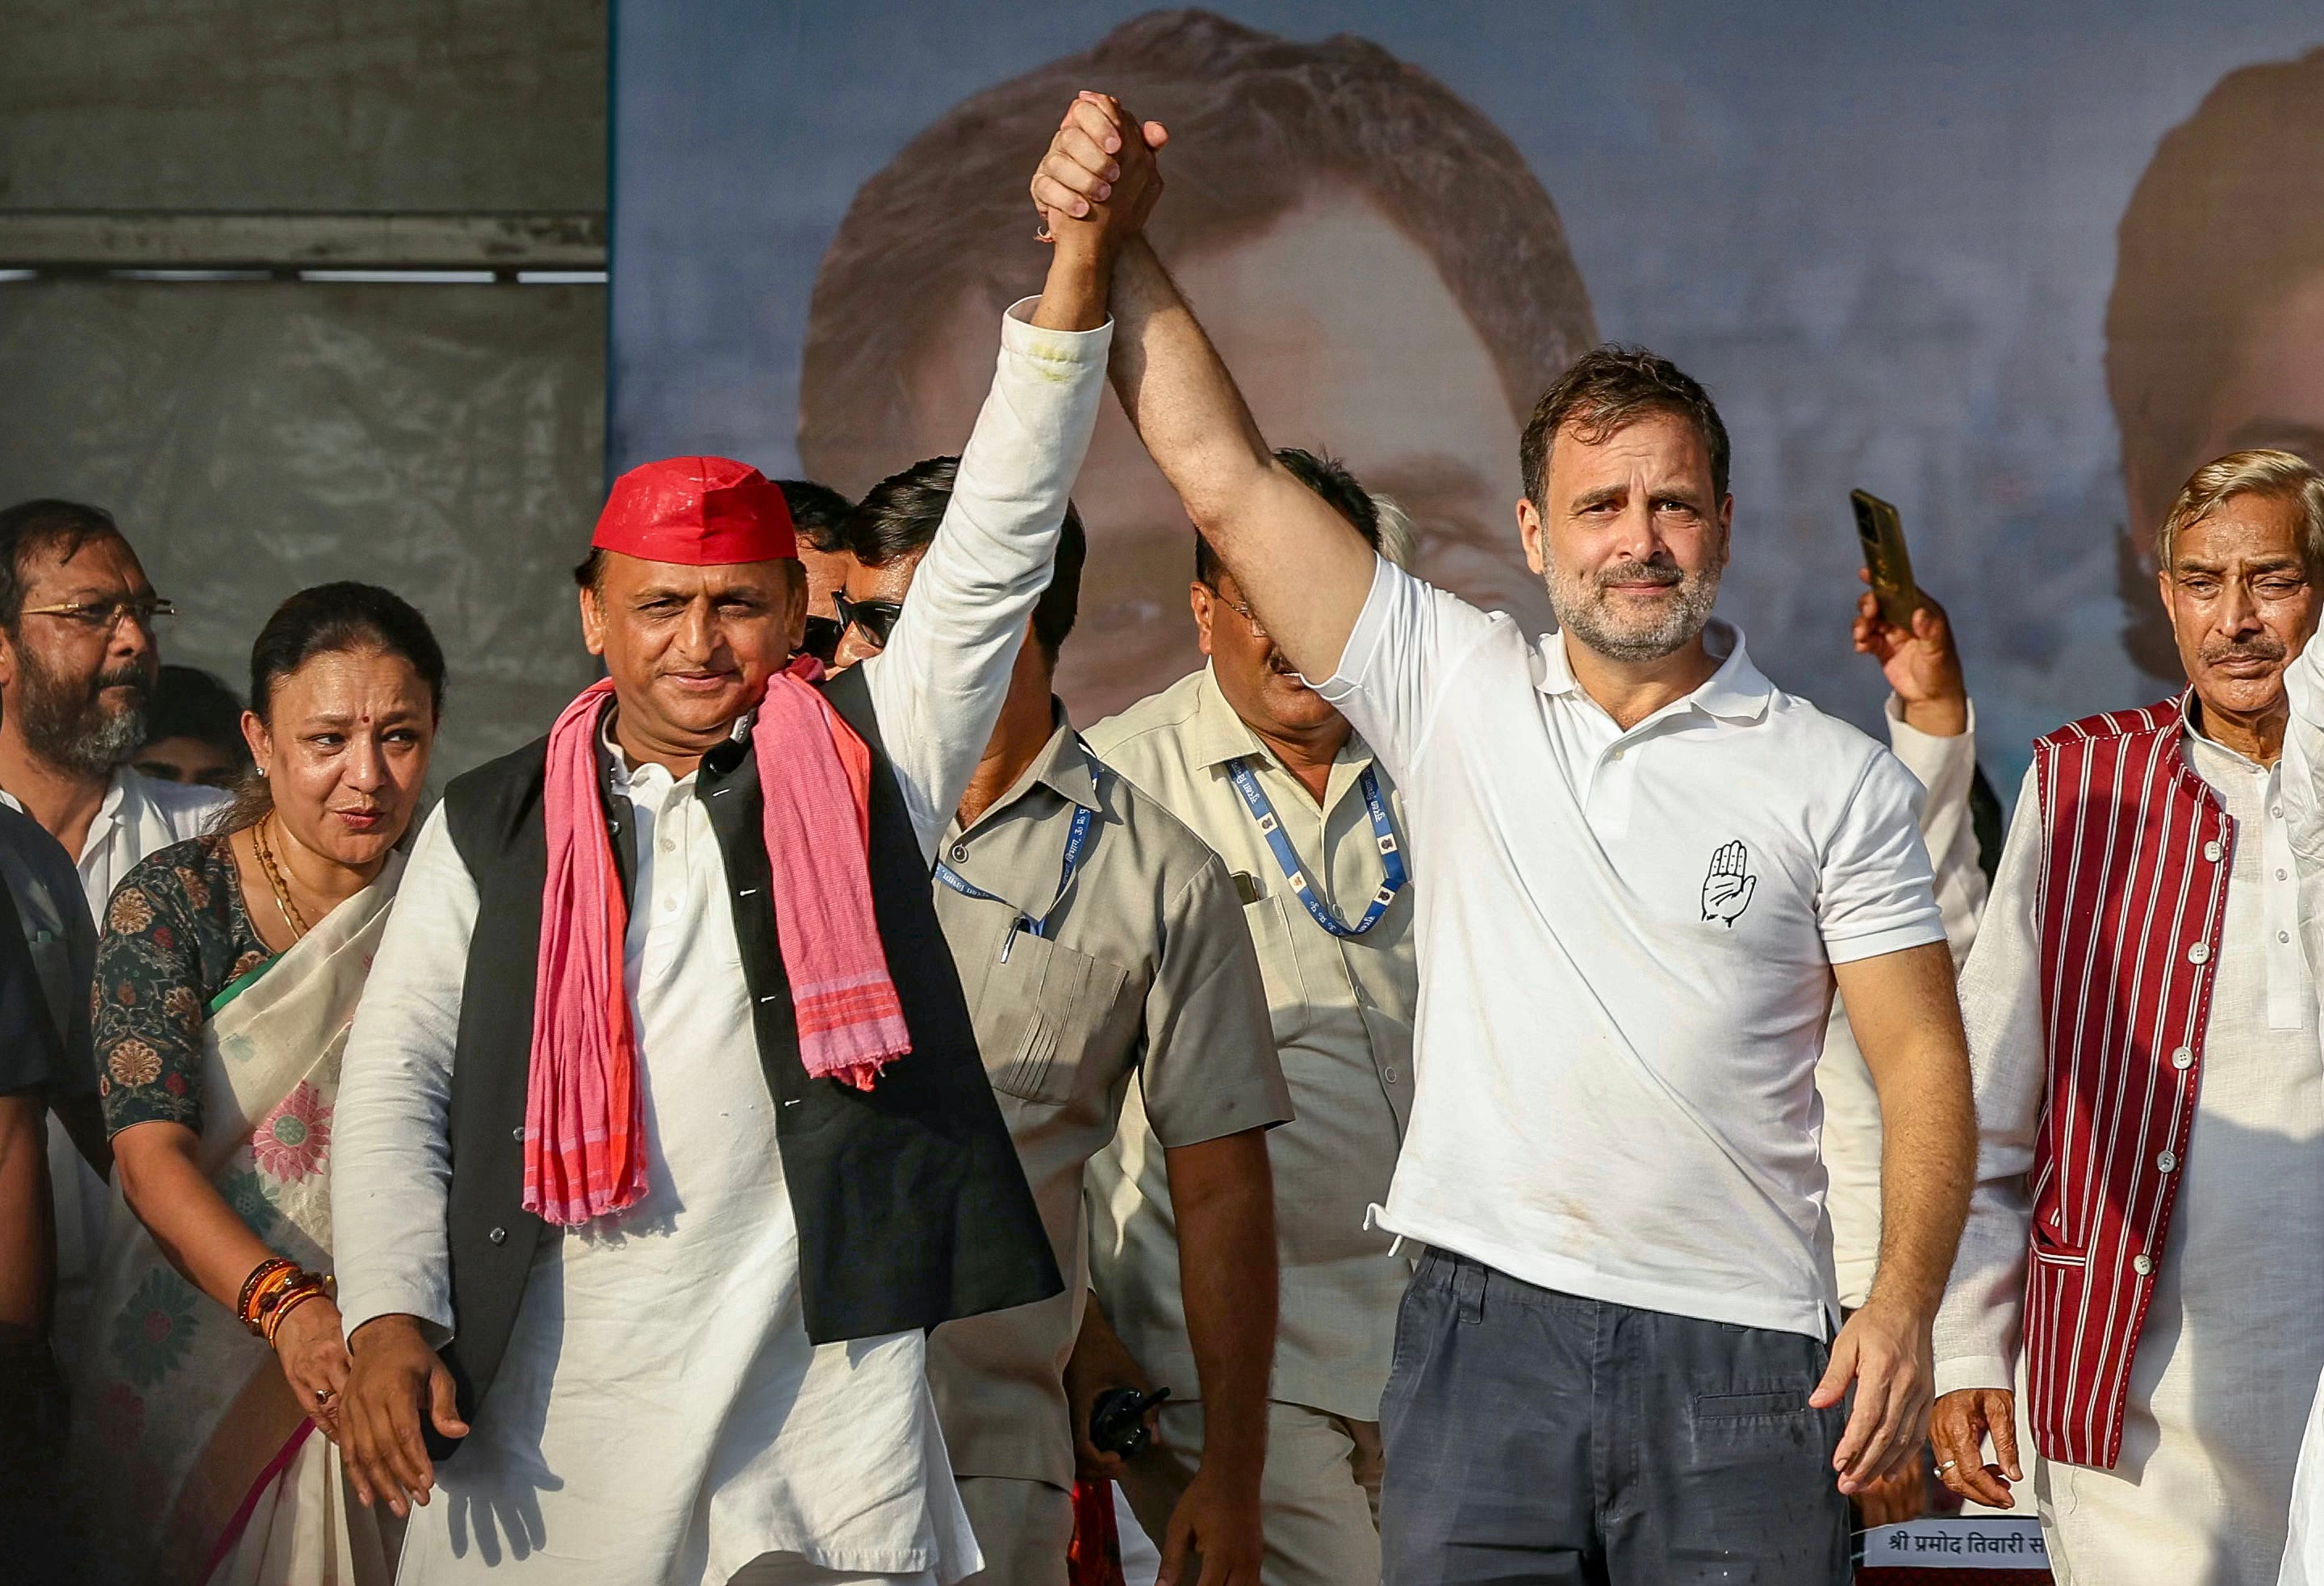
819	515
80	656
1099	941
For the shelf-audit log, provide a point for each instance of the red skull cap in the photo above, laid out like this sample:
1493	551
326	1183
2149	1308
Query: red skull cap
699	511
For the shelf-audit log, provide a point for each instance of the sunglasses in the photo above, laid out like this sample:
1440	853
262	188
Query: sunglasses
876	618
821	639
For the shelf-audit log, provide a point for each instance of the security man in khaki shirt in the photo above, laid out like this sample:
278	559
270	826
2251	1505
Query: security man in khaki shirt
1272	777
1099	942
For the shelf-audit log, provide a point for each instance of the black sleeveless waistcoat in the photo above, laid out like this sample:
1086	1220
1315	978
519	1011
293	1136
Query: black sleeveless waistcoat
911	1207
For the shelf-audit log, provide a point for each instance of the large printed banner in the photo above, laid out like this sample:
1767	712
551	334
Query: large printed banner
2017	269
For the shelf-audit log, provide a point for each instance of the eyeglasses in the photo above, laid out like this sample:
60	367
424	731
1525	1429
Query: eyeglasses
877	618
147	611
821	639
1242	610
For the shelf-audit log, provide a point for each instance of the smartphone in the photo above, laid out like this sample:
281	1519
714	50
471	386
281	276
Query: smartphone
1881	533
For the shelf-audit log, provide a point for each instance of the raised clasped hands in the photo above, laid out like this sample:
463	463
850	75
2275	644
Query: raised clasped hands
1100	179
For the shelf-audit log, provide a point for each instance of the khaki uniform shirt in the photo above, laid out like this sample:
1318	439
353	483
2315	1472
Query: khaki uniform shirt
1342	1011
1144	973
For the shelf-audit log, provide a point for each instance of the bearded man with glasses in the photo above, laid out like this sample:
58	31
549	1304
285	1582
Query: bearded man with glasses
80	656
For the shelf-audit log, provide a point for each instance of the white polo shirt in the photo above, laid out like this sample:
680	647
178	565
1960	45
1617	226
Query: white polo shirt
1616	1038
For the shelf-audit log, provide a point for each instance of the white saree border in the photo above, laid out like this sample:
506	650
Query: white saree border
186	1434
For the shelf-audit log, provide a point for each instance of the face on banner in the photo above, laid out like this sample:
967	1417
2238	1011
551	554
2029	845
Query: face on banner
1412	404
2216	327
1947	258
1364	297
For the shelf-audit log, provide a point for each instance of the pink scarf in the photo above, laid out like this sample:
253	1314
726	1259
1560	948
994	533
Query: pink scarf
584	1112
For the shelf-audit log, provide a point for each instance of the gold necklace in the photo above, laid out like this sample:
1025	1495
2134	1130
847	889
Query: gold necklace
291	915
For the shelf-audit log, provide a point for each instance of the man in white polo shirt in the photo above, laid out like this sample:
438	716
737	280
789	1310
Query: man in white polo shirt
1647	868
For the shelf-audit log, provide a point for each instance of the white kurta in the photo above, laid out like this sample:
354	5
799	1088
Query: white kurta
659	1415
640	1429
2221	1384
2303	806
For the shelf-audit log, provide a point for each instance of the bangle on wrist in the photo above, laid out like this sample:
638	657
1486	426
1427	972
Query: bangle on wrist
277	1288
245	1307
291	1301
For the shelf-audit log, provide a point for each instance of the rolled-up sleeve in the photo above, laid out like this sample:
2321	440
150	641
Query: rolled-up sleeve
391	1150
1210	1067
938	686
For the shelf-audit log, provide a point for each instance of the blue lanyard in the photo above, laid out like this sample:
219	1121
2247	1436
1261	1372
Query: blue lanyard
1383	832
1075	840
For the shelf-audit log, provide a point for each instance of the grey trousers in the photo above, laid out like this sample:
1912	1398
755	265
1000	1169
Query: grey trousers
1024	1529
1542	1438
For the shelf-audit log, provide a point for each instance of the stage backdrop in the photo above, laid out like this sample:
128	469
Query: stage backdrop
2017	267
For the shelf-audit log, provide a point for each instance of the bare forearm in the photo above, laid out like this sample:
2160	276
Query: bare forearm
1305	571
1073	295
203	1239
1180	398
1908	1024
1928	1162
1226	1274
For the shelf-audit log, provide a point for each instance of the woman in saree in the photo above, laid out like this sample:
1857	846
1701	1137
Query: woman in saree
226	976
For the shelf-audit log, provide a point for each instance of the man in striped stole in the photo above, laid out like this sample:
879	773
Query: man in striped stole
2145	1246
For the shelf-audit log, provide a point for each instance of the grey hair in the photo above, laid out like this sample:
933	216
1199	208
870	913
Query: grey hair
2282	476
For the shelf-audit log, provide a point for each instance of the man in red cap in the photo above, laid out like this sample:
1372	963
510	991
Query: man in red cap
663	1137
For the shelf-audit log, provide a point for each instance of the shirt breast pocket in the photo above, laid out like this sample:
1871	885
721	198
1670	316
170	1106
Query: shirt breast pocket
1062	1003
1270	923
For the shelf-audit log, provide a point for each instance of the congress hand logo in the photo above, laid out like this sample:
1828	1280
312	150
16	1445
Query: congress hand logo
1727	890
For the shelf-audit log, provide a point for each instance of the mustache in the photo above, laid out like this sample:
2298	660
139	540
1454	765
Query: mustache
2265	648
1656	572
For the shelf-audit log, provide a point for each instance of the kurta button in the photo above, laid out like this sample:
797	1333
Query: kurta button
2167	1160
2200	953
2184	1057
2211	850
500	1236
2142	1265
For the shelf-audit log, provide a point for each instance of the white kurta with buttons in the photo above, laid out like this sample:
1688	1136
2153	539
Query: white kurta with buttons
640	1429
2231	1349
660	1413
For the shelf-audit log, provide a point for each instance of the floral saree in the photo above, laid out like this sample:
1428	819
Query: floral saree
191	1454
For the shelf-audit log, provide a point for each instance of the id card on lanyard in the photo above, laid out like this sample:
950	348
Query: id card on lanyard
1271	827
1077	838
